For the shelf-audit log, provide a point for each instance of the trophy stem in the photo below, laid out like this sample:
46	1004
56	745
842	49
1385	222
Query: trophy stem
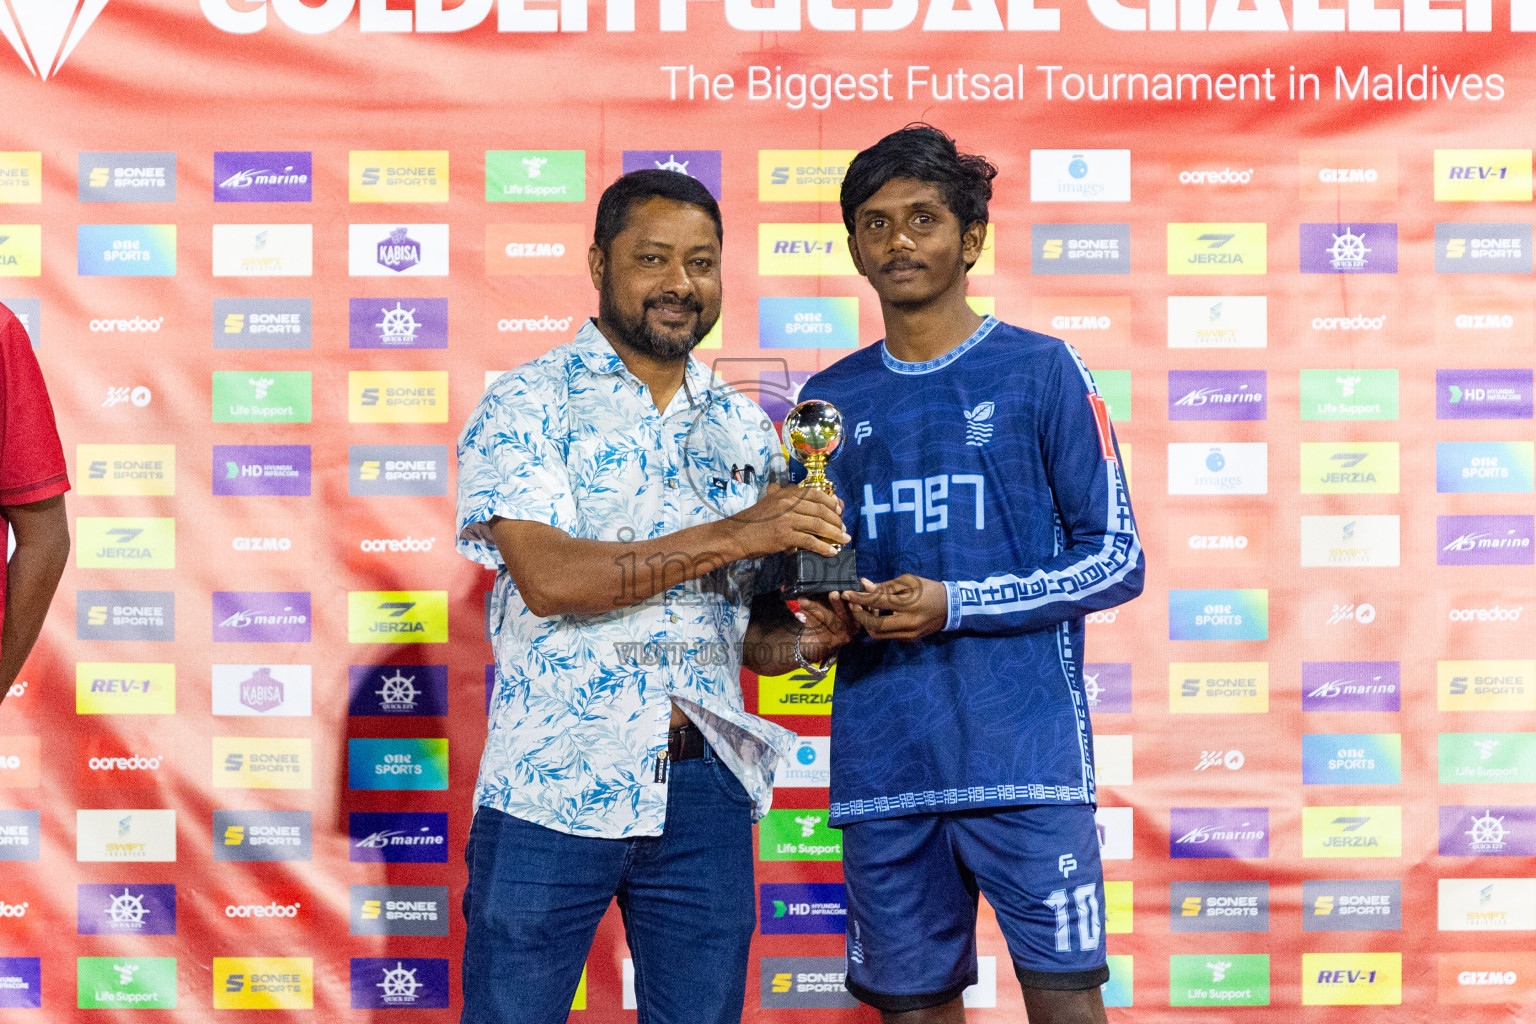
815	473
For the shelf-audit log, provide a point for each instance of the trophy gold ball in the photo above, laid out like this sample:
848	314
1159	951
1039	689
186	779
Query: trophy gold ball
813	430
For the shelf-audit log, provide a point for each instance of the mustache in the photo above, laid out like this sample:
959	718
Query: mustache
688	304
902	263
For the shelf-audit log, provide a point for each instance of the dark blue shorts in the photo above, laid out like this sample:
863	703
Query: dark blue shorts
912	885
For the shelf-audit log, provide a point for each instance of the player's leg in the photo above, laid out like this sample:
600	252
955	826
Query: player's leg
534	899
688	903
1039	868
911	919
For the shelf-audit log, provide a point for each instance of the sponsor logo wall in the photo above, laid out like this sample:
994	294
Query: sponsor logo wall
235	774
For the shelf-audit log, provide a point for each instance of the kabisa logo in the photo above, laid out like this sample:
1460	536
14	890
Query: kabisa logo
397	396
1351	759
535	325
127	178
397	176
1238	687
125	615
535	176
1352	906
126	250
1350	686
1485	540
399	909
1218	832
1349	248
1485	248
1351	831
396	690
818	908
1218	469
262	835
397	617
268	691
398	323
262	323
133	983
808	322
261	616
384	983
1483	175
1219	907
243	470
801	175
1218	248
107	542
376	470
1485	467
20	834
1483	394
1217	395
397	764
241	762
127	909
1485	831
398	837
1080	176
125	688
700	164
1080	248
262	177
263	983
389	250
126	469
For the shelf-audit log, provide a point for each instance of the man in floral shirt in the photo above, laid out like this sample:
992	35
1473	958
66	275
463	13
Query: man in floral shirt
623	497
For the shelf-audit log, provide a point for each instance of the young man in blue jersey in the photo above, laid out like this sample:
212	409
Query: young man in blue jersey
985	494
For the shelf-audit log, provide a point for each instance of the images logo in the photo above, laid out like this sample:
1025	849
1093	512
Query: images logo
272	396
263	250
245	762
397	690
397	764
1218	321
1079	176
1350	467
1483	394
798	835
261	177
702	164
1483	175
397	176
261	469
262	323
263	983
1351	979
1349	248
268	691
1349	394
21	177
1217	395
537	249
803	909
126	250
1350	541
1484	540
808	323
124	469
1217	248
1486	685
124	688
809	767
1351	831
377	470
1354	759
535	175
1350	686
1485	467
398	323
1352	906
386	983
1230	979
397	617
134	982
109	542
1488	757
1218	688
398	838
135	910
387	250
261	616
262	836
1485	831
1218	832
801	175
399	909
397	396
119	835
1497	248
1332	175
1218	614
125	615
127	178
1219	907
1241	468
795	693
1080	248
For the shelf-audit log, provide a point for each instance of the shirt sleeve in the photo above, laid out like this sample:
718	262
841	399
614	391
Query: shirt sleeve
1100	563
31	456
512	466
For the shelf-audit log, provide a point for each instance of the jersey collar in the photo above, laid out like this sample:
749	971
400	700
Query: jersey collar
917	369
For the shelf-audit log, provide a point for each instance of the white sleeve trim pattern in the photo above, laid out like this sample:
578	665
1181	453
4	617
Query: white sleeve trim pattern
952	600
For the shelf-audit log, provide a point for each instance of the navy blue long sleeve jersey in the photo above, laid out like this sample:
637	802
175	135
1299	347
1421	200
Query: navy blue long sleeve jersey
994	470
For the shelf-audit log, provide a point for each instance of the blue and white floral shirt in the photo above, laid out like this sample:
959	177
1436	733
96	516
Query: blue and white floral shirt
582	702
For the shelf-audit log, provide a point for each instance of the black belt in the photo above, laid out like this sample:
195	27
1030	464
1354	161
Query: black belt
685	742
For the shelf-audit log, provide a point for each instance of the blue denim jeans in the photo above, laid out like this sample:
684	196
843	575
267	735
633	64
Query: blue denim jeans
535	898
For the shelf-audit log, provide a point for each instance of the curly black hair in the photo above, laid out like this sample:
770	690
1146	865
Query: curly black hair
923	153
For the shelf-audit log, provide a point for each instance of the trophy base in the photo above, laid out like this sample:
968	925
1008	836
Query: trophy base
807	573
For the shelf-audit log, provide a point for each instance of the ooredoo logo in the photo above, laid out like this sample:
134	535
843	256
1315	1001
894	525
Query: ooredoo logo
273	909
533	325
1225	176
134	325
1357	322
395	546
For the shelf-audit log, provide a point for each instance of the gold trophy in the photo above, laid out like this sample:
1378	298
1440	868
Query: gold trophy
813	431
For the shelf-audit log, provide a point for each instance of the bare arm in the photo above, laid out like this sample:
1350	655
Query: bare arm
559	574
42	551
